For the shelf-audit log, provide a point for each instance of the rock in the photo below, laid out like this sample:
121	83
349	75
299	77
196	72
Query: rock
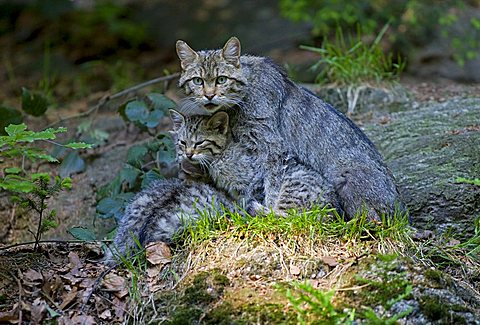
427	149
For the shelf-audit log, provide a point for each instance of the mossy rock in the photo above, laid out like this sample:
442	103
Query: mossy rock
427	149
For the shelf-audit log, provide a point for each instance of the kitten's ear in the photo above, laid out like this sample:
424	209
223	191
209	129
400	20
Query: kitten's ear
219	122
231	51
185	53
177	118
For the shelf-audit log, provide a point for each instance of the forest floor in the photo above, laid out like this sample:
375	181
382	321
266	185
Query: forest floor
231	278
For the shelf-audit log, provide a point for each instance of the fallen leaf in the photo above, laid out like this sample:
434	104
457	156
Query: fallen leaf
33	275
294	270
115	283
10	316
37	311
107	314
67	298
330	261
83	319
158	253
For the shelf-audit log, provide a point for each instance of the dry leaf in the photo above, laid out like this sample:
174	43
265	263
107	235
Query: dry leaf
83	319
330	261
115	283
158	253
10	316
294	270
33	275
37	311
107	314
68	298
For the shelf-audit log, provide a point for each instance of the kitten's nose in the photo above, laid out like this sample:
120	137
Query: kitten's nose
210	97
189	155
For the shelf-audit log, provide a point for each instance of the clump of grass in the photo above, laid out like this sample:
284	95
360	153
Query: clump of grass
317	223
355	64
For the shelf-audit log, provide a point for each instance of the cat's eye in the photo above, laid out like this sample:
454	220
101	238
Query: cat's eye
183	143
197	81
221	80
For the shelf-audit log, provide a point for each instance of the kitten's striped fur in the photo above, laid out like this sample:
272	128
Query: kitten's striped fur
280	184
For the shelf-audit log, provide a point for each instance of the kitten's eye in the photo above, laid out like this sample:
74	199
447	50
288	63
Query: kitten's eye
183	143
221	80
200	144
197	81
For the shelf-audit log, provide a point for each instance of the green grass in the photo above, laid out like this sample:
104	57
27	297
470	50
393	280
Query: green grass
351	61
317	223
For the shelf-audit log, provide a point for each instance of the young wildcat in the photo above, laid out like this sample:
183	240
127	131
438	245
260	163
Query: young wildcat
281	183
159	211
267	107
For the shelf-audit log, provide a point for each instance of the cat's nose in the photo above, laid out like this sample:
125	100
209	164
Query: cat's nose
189	155
210	97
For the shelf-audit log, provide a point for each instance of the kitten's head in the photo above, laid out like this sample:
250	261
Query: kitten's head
213	79
199	139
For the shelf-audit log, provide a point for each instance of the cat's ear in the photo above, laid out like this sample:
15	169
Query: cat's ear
231	51
177	119
186	54
219	122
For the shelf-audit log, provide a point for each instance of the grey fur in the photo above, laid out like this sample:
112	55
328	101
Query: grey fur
265	175
159	211
266	107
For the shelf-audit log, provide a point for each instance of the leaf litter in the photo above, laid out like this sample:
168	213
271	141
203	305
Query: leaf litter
67	283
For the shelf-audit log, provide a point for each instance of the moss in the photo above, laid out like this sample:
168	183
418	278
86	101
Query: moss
435	276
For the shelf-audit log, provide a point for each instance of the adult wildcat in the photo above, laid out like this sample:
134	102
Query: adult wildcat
267	107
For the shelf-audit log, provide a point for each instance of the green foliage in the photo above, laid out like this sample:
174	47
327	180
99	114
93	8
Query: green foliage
313	306
82	233
317	223
412	21
31	190
350	62
144	161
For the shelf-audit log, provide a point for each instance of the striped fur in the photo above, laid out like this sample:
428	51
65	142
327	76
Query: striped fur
267	108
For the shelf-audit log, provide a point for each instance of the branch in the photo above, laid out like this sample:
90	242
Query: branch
104	100
73	241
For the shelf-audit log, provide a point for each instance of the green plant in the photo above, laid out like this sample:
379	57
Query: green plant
412	21
351	62
475	181
32	189
144	160
314	306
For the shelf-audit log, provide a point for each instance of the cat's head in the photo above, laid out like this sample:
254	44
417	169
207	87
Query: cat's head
213	79
199	139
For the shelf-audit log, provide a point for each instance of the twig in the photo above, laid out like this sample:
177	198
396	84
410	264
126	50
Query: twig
20	302
95	285
104	100
53	241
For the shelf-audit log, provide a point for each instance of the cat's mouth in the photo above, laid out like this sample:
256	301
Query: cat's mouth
210	106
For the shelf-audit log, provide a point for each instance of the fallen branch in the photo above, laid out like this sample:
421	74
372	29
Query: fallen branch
104	100
73	241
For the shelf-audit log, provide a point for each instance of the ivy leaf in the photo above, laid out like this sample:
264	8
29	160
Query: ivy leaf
33	103
153	119
161	102
78	145
82	233
109	207
135	154
9	116
136	111
150	177
72	164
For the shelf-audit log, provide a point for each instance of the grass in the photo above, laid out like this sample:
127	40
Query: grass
353	63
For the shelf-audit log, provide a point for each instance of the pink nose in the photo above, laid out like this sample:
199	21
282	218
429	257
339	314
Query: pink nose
210	97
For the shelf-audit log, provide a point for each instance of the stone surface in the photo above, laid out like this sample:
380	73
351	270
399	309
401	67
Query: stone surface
427	148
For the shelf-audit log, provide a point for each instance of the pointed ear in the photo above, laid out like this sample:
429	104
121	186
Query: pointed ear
185	53
219	122
231	51
177	118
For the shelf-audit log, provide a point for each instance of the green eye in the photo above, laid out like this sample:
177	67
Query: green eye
221	80
197	81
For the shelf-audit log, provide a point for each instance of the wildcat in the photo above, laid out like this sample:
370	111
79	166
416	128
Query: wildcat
267	107
160	210
281	183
